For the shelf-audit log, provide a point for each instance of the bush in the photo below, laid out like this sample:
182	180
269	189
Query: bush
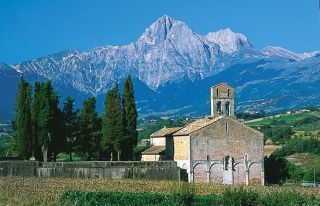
287	198
240	197
78	198
234	197
183	193
276	169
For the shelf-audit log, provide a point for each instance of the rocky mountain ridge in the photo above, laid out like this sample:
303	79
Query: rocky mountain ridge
174	67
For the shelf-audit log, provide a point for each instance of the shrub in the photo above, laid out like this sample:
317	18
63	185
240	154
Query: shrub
230	197
239	197
286	198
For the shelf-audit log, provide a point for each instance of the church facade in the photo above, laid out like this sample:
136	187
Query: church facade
216	148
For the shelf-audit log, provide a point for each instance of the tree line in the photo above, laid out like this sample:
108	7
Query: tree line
42	130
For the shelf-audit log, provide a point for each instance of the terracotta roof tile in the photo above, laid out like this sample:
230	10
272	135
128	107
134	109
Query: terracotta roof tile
198	124
153	150
165	131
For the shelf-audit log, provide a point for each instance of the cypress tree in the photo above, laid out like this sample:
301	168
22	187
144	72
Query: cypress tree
112	124
90	126
56	128
23	125
129	120
71	121
46	119
37	99
43	120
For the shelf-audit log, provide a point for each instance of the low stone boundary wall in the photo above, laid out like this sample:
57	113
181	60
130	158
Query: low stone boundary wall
18	168
93	169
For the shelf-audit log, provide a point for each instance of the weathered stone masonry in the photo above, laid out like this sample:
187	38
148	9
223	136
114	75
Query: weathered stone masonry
93	169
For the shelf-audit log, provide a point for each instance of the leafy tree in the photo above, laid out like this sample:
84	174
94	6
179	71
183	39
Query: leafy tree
311	175
23	125
90	130
71	121
299	145
278	134
249	116
129	117
112	129
295	172
276	170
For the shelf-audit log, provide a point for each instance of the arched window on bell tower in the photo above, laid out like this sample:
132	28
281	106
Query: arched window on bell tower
219	110
227	108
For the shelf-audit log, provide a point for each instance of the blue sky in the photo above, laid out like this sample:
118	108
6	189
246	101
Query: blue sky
30	28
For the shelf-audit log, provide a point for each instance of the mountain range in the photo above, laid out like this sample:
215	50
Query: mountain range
172	69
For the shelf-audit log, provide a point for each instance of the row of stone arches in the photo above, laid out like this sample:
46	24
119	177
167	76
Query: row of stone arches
225	169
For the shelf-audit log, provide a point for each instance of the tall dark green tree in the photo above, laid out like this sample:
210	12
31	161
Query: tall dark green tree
90	130
49	121
23	125
130	116
56	128
71	120
112	129
45	118
37	99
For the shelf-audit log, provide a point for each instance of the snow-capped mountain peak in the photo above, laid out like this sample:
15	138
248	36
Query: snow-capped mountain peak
310	54
161	29
228	40
275	51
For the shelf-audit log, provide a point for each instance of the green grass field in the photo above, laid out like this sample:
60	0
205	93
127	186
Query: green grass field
289	119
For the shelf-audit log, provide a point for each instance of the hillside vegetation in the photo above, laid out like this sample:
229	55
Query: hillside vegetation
293	145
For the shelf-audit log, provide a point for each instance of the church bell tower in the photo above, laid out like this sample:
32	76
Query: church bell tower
222	100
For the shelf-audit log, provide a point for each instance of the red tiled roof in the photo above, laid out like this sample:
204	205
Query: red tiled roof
153	150
165	131
198	124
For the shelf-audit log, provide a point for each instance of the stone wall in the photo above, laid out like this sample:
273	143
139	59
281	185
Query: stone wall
158	141
181	147
18	168
100	169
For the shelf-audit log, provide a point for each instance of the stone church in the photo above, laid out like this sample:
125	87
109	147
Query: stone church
213	149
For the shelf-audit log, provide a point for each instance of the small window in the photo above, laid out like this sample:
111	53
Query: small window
208	158
227	127
217	92
228	92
